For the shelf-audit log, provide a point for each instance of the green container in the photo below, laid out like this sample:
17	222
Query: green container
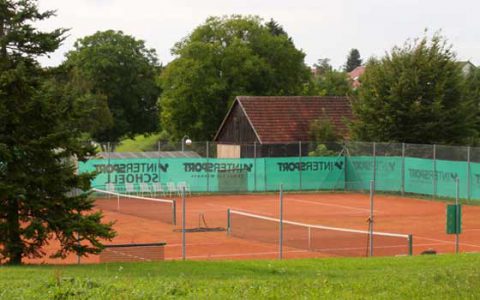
454	226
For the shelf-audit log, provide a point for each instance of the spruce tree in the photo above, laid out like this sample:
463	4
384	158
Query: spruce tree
353	60
41	197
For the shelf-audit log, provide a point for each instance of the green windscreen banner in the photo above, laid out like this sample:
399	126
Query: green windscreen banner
475	180
419	176
305	173
201	174
214	175
436	177
386	171
447	173
391	174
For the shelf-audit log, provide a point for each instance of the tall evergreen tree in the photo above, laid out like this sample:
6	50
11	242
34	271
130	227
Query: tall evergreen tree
38	145
275	28
415	94
353	60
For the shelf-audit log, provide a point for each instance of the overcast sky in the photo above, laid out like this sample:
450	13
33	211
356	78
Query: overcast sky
321	28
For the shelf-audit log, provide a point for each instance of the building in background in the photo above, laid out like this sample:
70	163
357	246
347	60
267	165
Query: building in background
355	76
275	126
467	67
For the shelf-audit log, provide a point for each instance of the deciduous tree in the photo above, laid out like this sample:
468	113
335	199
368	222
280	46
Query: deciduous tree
121	69
219	60
415	94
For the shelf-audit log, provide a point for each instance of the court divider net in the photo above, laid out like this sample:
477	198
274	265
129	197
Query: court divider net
332	241
163	210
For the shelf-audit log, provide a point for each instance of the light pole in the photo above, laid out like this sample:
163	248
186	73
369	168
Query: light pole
186	140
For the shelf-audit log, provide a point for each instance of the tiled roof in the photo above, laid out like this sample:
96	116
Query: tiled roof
357	72
287	119
355	75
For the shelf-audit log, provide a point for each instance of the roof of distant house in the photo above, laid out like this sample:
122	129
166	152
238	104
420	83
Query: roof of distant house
288	118
355	75
466	62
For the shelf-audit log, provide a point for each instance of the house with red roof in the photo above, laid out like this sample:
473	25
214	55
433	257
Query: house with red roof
260	126
355	74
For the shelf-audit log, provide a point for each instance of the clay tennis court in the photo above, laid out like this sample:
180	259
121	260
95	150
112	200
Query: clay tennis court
424	219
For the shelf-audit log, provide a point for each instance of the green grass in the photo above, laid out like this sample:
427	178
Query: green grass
139	143
431	277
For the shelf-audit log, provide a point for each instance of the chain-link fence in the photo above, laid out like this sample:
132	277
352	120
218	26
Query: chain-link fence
232	207
302	166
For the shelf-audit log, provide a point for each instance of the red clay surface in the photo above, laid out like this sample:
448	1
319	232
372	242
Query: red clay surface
424	219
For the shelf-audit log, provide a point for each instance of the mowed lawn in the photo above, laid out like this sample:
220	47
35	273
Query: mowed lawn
433	277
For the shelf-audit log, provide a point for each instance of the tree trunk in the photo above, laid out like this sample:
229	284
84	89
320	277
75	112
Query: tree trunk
14	245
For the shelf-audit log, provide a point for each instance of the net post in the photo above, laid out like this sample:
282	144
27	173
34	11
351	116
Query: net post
228	221
280	252
184	252
410	245
457	215
370	219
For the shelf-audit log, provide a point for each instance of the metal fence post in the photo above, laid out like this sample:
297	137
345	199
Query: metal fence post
280	239
345	171
109	167
255	166
300	164
184	230
403	169
265	172
457	215
374	161
371	220
208	172
469	174
159	166
434	171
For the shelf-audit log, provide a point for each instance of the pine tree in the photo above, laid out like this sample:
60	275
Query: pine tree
41	197
353	60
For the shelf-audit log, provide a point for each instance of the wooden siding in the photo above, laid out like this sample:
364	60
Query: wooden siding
237	129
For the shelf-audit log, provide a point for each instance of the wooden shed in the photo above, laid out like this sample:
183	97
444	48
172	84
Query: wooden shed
256	126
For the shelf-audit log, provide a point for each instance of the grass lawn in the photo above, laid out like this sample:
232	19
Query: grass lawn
139	143
432	277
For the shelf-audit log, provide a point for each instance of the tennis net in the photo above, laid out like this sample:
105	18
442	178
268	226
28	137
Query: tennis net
163	210
332	241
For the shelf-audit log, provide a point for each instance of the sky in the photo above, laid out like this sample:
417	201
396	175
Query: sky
320	28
